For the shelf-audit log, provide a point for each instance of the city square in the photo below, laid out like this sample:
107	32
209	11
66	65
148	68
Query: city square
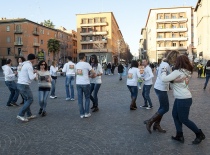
114	129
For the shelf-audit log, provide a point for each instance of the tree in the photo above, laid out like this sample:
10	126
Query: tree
48	23
53	46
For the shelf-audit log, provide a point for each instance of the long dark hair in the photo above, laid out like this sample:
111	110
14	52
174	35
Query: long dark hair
182	62
134	63
208	63
95	60
39	64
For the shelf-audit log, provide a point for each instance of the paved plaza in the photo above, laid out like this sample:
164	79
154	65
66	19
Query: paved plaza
113	130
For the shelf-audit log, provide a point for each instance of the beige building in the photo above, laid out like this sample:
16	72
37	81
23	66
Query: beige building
169	29
99	33
202	29
19	37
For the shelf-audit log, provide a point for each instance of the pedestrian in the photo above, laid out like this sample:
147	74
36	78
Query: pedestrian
120	70
207	72
105	68
200	69
9	77
109	67
26	75
183	99
147	78
44	86
95	81
83	85
141	70
53	73
20	62
132	78
69	69
113	68
161	89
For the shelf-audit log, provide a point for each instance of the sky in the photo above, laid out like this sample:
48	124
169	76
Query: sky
131	15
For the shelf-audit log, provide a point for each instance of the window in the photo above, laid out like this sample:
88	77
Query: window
181	35
166	17
173	35
18	40
84	21
19	51
173	17
181	44
8	39
173	26
42	42
35	50
90	21
48	33
18	27
8	51
103	20
174	44
181	26
97	20
8	28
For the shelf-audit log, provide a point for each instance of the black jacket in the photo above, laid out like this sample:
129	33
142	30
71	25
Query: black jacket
120	68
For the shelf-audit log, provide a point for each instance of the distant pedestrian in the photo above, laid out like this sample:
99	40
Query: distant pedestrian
53	73
26	75
113	68
44	84
105	68
120	70
200	69
69	69
183	99
109	67
9	77
95	81
83	85
207	72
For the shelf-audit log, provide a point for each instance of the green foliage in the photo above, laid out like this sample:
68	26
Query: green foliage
48	23
53	46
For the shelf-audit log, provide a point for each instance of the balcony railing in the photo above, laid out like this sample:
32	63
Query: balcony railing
94	50
172	48
175	38
18	31
94	24
94	33
18	43
36	44
36	33
92	41
171	29
171	20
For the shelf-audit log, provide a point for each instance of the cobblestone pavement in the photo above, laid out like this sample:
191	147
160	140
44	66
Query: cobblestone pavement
113	130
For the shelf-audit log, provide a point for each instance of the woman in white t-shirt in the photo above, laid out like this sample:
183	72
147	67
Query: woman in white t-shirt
132	80
95	81
53	73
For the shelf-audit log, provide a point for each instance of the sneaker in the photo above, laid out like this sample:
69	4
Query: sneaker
72	99
43	113
144	106
82	116
40	111
31	117
55	96
149	107
67	98
52	97
87	115
139	88
10	105
96	109
15	104
22	118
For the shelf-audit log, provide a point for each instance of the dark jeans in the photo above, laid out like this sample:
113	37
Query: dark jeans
146	93
14	92
207	80
69	82
94	87
25	91
53	82
86	90
180	115
133	90
164	102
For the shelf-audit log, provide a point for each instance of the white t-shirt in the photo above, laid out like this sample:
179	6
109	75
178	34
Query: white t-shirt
98	70
69	68
82	71
133	75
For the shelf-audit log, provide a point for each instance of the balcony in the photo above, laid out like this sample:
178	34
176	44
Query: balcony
171	29
36	33
36	44
18	43
94	33
171	20
91	41
18	31
94	24
172	48
94	50
173	39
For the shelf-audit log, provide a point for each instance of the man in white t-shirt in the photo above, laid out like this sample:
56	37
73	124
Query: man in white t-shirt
69	69
83	69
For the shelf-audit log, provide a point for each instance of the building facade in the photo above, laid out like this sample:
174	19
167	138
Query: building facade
19	37
170	29
203	30
99	33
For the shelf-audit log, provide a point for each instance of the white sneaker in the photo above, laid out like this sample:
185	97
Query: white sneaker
22	118
82	116
139	88
72	99
87	115
31	117
149	107
67	99
52	97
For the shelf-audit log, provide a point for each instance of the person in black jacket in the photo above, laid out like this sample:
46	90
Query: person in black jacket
120	70
207	72
109	67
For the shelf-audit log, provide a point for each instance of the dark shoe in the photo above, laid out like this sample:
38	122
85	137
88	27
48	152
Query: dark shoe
15	104
153	119
95	109
43	113
204	87
157	126
179	137
9	105
132	106
92	107
40	111
199	137
22	102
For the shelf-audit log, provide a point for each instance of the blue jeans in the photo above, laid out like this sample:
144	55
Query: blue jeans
146	93
86	90
164	102
14	92
94	87
43	95
207	80
109	71
180	115
53	82
139	84
26	92
69	81
133	90
120	75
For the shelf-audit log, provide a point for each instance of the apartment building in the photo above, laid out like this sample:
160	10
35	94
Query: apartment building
143	44
99	33
19	37
170	29
203	30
